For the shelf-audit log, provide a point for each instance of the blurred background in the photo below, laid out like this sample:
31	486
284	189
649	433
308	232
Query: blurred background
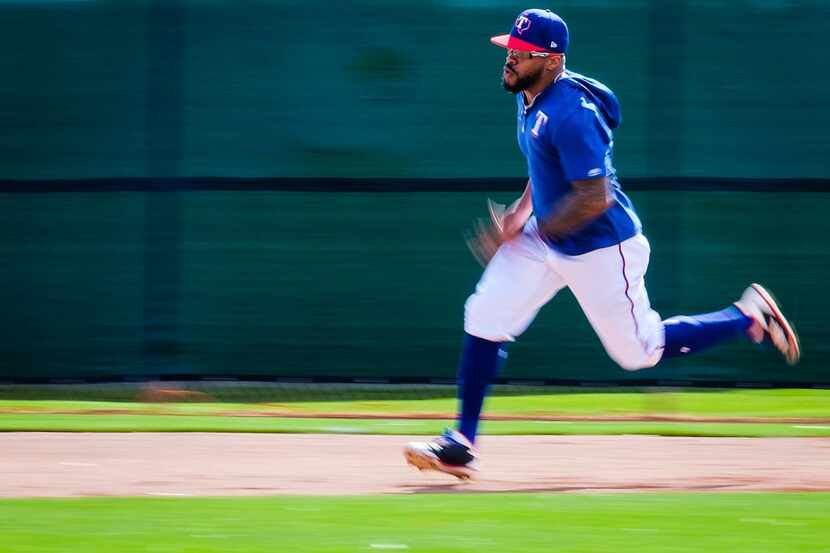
277	189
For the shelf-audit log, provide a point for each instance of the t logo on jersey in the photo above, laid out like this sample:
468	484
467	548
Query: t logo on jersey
522	24
541	119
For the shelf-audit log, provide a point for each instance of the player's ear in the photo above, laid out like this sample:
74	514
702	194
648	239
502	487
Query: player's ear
554	62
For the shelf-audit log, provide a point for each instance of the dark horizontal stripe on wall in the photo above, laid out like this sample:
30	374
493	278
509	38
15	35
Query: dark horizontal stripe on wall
689	184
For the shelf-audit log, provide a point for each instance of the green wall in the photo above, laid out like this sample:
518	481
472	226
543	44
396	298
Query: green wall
364	285
344	285
401	88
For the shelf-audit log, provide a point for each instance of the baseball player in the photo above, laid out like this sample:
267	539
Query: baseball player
572	226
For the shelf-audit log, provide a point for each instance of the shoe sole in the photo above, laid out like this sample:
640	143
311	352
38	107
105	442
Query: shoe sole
422	461
793	354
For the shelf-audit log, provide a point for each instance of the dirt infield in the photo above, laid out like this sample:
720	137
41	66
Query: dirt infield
166	464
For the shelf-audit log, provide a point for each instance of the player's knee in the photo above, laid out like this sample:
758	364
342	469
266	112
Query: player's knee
634	365
472	309
634	359
640	350
481	321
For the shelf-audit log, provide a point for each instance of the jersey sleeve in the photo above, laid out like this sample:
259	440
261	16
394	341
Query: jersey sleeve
583	143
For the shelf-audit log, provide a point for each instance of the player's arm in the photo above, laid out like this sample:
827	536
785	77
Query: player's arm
587	200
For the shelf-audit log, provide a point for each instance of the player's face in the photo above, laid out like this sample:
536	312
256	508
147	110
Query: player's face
521	71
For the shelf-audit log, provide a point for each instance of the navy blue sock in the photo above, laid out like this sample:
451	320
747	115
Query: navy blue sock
480	362
686	334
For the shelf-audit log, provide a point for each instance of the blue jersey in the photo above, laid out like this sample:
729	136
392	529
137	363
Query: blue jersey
567	135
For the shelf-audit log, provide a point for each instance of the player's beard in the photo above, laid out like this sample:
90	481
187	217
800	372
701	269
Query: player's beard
522	83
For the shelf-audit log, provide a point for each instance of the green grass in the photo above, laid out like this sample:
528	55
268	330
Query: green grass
475	523
790	403
756	405
185	423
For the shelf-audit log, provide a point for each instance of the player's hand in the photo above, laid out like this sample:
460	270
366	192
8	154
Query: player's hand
497	212
483	242
486	238
507	220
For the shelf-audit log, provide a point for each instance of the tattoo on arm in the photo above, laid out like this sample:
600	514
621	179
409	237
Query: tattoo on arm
588	200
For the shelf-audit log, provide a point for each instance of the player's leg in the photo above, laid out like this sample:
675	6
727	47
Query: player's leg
755	315
517	282
631	331
609	285
480	362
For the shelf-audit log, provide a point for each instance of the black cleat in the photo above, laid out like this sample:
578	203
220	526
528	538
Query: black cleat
452	453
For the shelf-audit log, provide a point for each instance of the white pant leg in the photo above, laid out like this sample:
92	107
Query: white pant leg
517	282
609	285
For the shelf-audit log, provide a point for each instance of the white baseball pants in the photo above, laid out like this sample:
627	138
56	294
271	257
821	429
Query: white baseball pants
608	283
